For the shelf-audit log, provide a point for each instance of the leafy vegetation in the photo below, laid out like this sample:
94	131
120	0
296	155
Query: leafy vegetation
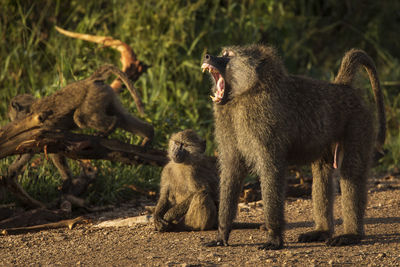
172	36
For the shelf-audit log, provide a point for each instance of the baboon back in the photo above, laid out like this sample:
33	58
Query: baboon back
266	119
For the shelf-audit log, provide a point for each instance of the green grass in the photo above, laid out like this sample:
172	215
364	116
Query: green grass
172	37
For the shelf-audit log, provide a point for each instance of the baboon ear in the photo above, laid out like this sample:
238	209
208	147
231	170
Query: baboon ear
16	106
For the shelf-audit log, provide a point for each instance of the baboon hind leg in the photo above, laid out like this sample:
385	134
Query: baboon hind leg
93	114
202	213
177	212
61	164
358	146
322	198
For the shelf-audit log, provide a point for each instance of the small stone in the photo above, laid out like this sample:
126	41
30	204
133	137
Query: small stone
59	238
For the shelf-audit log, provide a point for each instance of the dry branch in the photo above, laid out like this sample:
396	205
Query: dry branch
130	64
61	224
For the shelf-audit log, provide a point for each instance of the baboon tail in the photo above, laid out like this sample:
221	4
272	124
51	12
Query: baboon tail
352	60
104	72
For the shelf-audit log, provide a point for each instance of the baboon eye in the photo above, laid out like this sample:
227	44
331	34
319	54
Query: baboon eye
227	53
180	145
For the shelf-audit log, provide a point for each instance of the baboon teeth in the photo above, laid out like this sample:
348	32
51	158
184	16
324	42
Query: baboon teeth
216	99
209	68
219	81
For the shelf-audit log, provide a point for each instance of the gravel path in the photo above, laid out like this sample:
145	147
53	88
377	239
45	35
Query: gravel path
139	245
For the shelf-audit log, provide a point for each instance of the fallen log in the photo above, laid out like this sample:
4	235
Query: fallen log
79	146
34	138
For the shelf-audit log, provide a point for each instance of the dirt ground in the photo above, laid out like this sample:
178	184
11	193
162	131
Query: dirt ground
139	245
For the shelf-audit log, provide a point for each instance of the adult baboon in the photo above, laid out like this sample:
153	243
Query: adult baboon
89	103
266	119
189	186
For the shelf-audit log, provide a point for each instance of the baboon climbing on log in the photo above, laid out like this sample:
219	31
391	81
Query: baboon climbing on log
86	103
89	103
19	108
189	186
266	119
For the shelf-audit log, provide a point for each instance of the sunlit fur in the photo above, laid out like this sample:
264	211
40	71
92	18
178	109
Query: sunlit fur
188	187
272	119
88	103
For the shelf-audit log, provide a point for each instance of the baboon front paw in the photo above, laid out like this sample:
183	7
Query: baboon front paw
161	225
314	236
344	240
216	243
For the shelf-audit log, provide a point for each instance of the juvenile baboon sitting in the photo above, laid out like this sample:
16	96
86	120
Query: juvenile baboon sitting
88	103
266	120
188	188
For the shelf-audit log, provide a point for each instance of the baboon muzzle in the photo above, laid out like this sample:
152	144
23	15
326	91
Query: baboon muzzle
217	62
216	66
178	153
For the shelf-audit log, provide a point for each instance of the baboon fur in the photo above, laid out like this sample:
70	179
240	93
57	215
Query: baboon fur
266	119
19	108
88	103
188	188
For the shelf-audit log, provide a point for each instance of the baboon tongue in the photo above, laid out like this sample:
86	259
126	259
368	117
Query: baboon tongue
220	84
219	94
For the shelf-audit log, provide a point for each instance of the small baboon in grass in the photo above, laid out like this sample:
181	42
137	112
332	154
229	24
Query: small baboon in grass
19	108
88	103
267	119
189	186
